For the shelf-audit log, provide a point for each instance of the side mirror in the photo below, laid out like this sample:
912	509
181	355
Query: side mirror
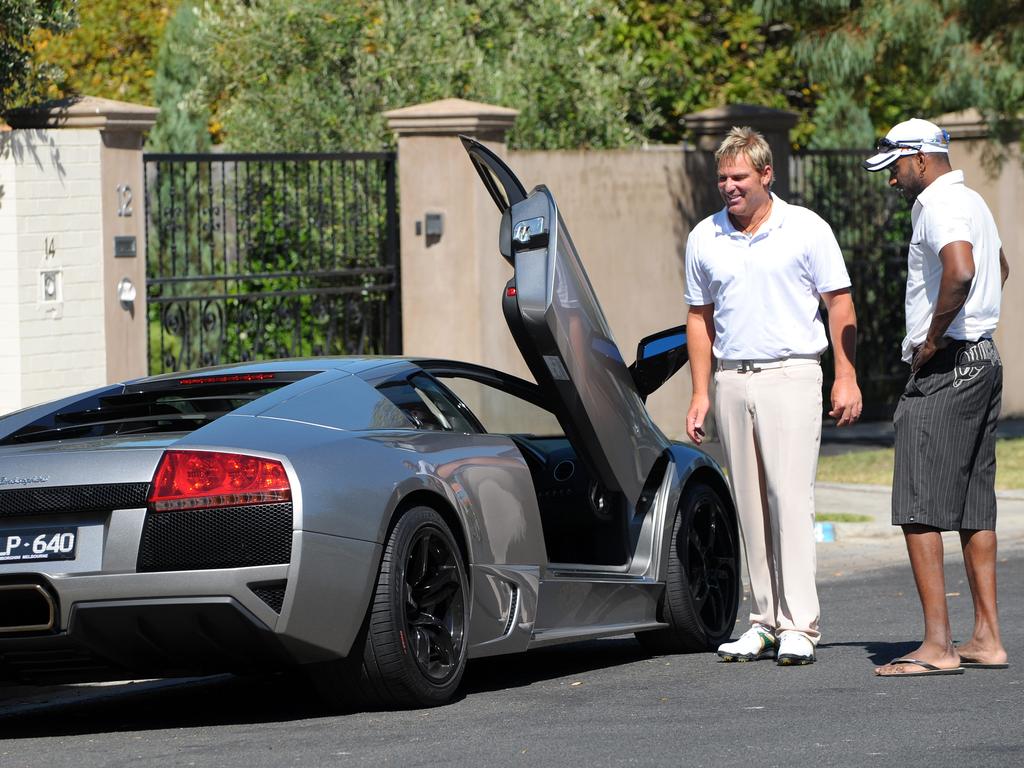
658	357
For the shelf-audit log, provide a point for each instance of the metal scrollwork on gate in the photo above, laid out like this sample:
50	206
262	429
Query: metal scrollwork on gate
174	326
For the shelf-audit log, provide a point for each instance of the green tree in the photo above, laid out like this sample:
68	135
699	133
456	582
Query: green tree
881	61
285	74
182	124
706	53
112	53
22	78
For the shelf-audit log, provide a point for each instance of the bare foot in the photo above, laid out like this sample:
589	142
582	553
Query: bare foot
978	653
936	656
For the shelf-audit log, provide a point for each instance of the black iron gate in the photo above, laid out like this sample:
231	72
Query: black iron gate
872	225
255	256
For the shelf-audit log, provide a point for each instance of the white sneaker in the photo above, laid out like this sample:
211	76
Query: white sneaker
758	642
794	649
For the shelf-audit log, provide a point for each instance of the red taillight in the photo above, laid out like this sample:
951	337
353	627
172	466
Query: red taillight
202	479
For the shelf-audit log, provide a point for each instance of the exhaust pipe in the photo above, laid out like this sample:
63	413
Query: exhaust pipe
26	608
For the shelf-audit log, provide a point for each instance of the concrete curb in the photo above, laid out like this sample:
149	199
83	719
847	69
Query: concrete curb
1013	494
874	501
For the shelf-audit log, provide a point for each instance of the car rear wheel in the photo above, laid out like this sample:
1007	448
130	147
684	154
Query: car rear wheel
703	576
413	641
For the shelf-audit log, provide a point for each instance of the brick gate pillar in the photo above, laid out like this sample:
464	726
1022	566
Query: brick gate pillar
452	274
72	236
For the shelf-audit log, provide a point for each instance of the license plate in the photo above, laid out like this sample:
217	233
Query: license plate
38	544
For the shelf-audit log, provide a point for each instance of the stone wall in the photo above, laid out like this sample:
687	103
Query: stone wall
51	316
72	232
999	179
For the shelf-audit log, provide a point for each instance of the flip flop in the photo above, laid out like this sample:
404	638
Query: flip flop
974	664
929	669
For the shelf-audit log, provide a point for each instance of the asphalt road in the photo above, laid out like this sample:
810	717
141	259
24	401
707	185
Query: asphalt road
596	704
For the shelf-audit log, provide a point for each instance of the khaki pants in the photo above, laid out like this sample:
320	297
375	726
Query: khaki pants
770	425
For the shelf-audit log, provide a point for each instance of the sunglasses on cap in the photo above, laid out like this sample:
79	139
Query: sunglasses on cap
887	145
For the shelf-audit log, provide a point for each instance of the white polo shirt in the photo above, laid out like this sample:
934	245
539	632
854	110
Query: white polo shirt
947	211
765	287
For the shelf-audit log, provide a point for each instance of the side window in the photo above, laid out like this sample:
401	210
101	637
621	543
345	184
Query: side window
425	404
502	412
445	410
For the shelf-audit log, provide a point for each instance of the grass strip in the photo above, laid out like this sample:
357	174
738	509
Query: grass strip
874	467
842	517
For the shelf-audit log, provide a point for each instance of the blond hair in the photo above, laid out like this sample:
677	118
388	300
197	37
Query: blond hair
748	142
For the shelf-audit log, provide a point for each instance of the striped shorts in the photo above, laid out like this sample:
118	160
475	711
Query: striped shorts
945	471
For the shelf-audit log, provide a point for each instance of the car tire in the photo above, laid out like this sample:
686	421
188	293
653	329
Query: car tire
411	650
702	586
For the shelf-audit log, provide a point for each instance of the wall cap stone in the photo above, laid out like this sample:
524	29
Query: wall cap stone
85	112
451	116
968	124
718	120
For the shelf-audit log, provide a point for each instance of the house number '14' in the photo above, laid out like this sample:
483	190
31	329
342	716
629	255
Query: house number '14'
124	200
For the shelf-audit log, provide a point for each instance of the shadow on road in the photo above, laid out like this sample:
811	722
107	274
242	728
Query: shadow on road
500	672
228	700
878	652
220	700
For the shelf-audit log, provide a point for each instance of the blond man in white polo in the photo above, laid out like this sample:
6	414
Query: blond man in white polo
756	273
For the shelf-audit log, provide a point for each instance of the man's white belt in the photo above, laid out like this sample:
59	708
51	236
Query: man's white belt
753	366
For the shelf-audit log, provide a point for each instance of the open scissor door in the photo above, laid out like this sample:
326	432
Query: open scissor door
561	331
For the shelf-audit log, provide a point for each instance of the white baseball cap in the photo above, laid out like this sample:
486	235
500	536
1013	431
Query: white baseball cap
907	138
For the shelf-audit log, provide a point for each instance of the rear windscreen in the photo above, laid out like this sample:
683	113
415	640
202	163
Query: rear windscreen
171	405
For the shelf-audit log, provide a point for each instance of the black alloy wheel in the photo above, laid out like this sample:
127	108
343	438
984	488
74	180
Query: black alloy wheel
411	649
703	576
435	603
712	566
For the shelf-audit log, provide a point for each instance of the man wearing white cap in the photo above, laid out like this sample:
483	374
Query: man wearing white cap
944	475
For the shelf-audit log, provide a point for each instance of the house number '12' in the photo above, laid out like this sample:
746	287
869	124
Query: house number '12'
124	200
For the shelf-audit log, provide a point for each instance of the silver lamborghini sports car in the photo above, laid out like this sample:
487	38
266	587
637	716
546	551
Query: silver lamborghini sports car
377	521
